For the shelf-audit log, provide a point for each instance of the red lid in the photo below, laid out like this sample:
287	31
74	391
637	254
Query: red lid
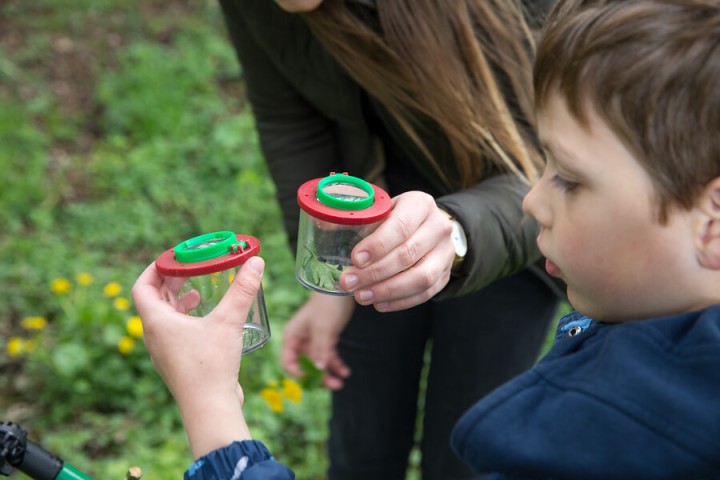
308	201
238	253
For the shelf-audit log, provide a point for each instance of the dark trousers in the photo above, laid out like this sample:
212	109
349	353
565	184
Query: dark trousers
477	342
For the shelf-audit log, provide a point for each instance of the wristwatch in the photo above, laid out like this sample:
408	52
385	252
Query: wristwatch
459	240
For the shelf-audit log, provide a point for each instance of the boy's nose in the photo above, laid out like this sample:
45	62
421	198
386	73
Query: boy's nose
533	205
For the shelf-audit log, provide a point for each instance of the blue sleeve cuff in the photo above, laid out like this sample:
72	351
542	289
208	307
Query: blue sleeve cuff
246	460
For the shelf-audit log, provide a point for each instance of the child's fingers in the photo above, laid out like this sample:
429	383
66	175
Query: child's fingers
146	292
188	302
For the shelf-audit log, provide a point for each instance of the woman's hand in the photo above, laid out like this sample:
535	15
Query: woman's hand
199	357
313	331
407	260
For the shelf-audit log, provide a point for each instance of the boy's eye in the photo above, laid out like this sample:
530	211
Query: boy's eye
564	184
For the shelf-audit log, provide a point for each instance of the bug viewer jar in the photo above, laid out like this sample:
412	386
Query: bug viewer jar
198	272
336	212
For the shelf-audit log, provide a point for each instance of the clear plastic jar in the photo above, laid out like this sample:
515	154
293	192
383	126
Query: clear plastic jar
198	272
336	212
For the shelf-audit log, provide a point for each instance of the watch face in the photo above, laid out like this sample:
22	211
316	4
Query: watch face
459	240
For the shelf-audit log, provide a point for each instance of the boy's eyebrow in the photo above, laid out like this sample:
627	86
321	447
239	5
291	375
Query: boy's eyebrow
558	153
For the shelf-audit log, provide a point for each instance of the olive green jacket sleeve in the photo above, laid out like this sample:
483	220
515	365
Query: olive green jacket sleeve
501	238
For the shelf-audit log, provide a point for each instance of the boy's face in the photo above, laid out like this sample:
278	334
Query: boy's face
599	227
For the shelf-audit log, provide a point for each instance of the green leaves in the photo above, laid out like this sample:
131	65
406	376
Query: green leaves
320	272
69	358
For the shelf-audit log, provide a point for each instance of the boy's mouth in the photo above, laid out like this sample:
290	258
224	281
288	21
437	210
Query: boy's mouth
551	268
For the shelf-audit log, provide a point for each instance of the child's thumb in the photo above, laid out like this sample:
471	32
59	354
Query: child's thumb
242	292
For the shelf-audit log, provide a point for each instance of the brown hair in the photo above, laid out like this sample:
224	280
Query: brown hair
464	64
650	69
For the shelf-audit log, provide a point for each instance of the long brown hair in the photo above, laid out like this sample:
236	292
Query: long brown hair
464	64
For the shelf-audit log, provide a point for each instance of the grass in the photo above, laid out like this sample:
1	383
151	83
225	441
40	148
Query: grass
123	131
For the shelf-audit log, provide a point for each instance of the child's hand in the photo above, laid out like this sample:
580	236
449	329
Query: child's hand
199	357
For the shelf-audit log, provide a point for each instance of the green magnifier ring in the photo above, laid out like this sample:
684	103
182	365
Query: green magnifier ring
357	203
205	247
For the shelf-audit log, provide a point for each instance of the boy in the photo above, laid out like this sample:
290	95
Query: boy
628	106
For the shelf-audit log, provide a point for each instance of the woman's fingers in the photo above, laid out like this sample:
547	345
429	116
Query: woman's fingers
313	332
410	288
293	346
410	211
408	272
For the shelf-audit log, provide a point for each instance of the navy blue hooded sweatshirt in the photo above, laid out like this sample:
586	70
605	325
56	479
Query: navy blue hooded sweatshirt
246	460
636	400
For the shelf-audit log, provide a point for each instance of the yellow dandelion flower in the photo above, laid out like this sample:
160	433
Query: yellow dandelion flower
15	346
291	390
112	289
135	327
273	398
33	323
121	303
125	345
231	277
60	286
84	279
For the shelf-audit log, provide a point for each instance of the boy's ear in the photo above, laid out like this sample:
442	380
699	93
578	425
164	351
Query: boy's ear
708	231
